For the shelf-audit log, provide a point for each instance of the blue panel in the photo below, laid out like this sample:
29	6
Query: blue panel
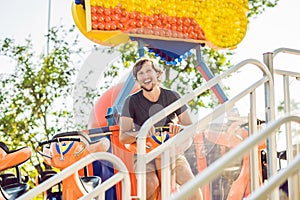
173	47
104	169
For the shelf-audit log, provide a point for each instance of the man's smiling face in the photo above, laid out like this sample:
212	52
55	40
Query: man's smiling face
147	77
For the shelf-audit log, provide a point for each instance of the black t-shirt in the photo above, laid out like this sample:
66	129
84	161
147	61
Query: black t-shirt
140	109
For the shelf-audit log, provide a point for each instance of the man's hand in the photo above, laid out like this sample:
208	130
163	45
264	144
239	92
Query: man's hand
151	132
174	128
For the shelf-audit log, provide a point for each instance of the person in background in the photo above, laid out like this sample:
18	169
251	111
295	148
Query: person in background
143	104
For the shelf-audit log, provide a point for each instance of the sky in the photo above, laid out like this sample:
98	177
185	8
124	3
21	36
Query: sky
277	27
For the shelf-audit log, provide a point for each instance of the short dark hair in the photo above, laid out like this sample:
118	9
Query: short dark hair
139	64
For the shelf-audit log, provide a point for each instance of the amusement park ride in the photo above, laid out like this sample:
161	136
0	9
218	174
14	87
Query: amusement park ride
170	29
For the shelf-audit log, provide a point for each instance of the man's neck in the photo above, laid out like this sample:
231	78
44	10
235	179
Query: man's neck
152	95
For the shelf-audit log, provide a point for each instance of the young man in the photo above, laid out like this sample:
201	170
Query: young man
142	105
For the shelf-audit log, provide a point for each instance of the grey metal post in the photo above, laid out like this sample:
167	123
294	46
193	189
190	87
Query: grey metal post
270	116
254	181
292	181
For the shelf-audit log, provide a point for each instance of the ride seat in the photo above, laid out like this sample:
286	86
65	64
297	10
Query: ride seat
43	176
11	185
8	178
90	182
13	191
13	158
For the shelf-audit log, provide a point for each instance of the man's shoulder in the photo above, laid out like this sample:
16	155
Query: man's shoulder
169	91
135	94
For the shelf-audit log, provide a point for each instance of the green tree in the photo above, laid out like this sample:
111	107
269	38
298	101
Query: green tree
257	7
32	100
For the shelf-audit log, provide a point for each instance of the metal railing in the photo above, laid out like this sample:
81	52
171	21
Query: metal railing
269	188
215	168
220	165
293	182
121	176
165	150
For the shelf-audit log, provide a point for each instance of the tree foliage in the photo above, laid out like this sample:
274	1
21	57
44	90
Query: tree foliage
257	7
32	99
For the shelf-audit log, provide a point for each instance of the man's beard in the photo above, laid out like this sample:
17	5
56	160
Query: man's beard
148	90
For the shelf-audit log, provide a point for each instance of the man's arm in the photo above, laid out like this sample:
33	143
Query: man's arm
185	118
127	133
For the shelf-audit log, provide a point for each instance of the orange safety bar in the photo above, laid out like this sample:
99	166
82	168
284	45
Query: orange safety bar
13	158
